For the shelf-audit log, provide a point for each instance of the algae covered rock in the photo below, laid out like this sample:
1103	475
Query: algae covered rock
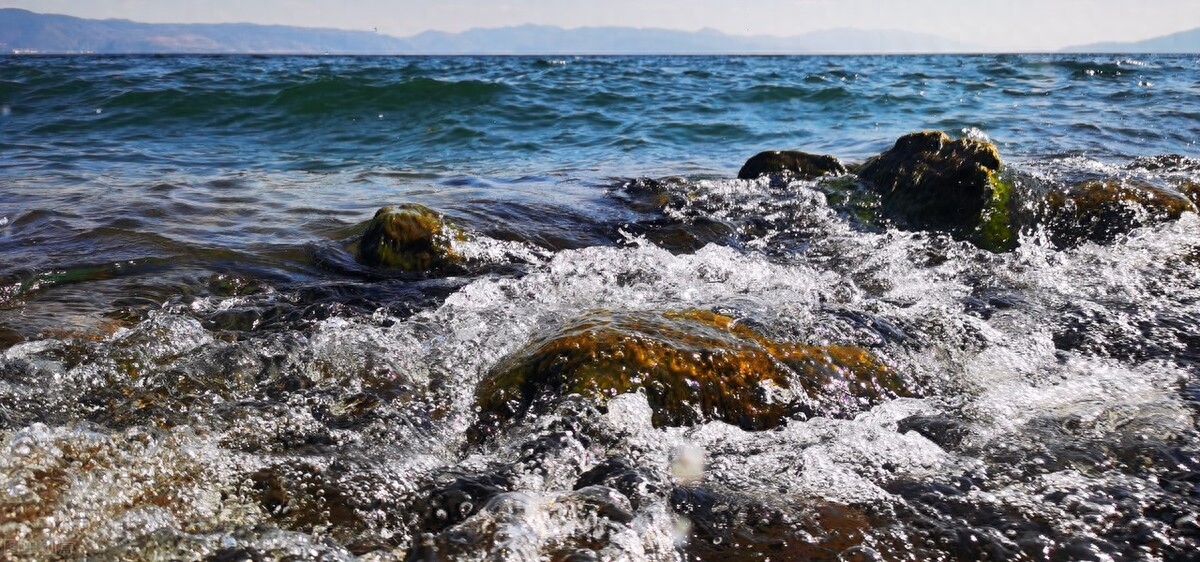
929	181
1100	211
792	163
408	237
693	366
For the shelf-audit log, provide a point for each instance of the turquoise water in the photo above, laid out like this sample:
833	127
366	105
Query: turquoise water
193	363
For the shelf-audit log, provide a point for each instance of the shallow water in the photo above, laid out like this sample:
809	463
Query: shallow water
194	365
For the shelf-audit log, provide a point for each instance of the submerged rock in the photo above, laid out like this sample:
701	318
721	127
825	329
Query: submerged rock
929	181
793	163
1165	163
1100	211
1191	190
722	526
409	237
694	366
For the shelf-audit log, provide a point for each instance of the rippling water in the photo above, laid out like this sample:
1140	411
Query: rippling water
193	364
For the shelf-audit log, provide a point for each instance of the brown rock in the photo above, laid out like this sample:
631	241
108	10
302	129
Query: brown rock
694	366
409	237
1100	211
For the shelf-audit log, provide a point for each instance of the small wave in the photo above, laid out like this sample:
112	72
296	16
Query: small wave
774	93
1092	69
348	95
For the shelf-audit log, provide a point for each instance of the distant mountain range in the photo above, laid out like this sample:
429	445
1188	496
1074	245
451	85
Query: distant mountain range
22	31
25	31
1182	42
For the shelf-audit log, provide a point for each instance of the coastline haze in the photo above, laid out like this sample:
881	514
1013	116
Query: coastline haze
993	25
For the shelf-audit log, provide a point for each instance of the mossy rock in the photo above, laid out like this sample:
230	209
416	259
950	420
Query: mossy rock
790	163
1100	211
929	181
694	366
409	237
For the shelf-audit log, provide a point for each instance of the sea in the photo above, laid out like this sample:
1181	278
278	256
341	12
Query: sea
194	364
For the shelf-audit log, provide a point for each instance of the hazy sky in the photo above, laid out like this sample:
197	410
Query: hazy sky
1007	25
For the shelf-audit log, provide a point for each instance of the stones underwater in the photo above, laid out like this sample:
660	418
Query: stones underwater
694	366
409	237
790	163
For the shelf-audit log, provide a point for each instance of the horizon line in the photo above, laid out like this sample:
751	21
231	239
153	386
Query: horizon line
705	29
36	52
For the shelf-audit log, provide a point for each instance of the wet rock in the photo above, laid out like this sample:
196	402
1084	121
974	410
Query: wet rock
301	496
408	237
637	484
790	164
1165	163
658	196
694	366
650	195
1100	211
593	523
724	527
455	498
235	285
603	502
945	431
952	526
929	181
1191	190
354	504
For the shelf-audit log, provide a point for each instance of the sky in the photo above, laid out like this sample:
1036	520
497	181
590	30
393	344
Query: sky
1001	25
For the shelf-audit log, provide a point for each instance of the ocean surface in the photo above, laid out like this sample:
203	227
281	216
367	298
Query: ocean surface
194	365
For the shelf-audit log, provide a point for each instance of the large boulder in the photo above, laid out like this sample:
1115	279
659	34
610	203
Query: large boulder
1099	211
408	237
790	163
929	181
693	366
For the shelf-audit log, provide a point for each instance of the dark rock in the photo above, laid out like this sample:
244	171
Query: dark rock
303	497
1100	211
725	527
650	195
1191	190
694	366
593	518
1166	163
946	432
635	483
408	237
602	501
790	163
444	505
929	181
